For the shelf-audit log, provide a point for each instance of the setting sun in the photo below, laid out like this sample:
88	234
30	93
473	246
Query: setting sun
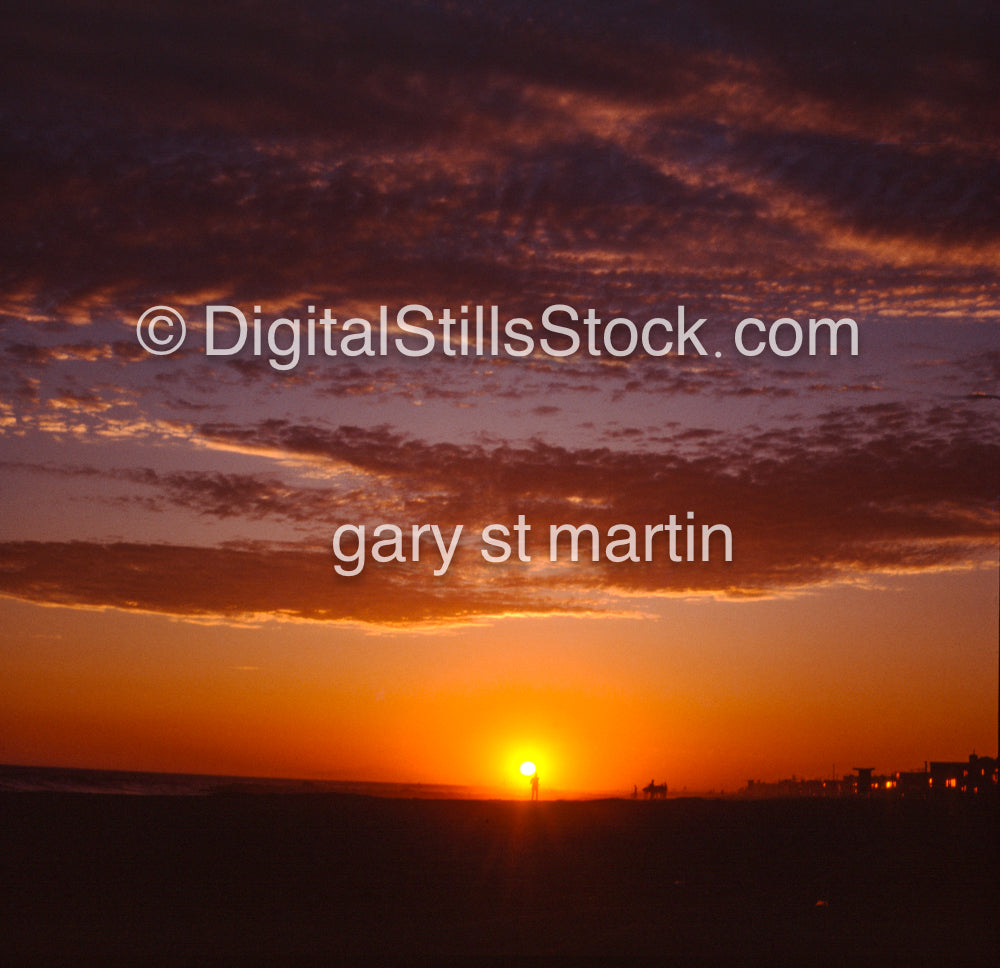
527	768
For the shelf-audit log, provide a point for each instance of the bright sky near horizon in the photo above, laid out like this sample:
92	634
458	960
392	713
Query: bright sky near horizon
169	594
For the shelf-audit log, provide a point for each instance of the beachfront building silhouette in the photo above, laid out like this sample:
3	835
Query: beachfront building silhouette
865	781
977	776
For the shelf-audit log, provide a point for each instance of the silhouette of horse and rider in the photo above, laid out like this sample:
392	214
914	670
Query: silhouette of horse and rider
655	791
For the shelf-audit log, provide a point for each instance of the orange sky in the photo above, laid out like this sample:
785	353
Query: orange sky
701	693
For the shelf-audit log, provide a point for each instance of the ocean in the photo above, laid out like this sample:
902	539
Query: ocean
34	779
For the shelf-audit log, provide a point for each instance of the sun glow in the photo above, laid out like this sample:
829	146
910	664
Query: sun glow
527	768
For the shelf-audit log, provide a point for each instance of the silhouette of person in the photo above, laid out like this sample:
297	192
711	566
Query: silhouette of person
534	786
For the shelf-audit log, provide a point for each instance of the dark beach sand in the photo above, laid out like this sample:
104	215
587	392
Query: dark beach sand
245	879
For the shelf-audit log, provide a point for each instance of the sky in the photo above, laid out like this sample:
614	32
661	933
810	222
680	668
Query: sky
169	590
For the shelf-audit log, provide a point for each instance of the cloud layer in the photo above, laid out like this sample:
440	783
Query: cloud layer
741	159
860	497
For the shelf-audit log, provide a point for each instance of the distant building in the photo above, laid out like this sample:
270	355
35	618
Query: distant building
865	781
913	783
977	776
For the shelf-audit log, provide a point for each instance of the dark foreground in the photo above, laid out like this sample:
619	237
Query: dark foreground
327	879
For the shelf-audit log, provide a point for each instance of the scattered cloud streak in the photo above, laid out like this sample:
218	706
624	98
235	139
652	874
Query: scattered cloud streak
804	508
